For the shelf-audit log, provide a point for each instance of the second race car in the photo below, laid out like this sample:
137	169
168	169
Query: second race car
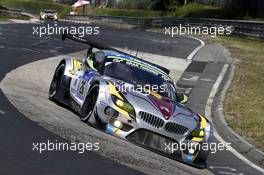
48	14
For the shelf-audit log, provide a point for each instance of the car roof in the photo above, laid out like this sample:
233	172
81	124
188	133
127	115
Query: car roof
111	55
49	10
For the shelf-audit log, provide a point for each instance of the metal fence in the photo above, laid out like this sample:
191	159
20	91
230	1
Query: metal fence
253	29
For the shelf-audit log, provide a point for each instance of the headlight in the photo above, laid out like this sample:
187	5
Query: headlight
123	104
198	134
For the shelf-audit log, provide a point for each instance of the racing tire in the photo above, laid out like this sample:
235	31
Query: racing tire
202	156
88	106
56	81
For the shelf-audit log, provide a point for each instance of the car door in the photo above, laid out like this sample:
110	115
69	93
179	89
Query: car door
80	83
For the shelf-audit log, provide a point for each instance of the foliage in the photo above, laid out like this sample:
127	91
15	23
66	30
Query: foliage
35	6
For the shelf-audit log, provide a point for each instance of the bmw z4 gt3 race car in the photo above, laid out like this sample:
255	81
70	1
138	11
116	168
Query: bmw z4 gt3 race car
113	91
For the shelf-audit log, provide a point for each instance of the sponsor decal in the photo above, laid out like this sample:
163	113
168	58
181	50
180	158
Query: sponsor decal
112	130
189	158
164	105
137	63
88	75
76	66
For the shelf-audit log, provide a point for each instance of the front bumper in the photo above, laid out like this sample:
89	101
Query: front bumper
157	143
149	133
53	17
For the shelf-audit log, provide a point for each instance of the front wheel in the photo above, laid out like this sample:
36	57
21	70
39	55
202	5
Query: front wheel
202	156
56	81
88	106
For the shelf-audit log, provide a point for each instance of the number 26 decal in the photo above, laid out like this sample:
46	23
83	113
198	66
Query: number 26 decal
81	87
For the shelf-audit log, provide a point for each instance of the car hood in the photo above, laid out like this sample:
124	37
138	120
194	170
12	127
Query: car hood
159	106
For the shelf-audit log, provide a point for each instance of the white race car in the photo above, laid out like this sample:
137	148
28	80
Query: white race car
103	90
48	14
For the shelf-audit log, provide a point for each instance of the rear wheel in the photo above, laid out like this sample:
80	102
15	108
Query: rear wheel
56	81
89	103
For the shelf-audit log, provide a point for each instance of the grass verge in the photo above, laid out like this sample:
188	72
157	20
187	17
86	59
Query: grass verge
36	6
195	10
191	10
124	12
243	106
8	17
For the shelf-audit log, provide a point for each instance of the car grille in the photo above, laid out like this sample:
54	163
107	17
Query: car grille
151	119
154	141
175	128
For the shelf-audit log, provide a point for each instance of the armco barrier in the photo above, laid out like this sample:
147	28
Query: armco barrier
240	27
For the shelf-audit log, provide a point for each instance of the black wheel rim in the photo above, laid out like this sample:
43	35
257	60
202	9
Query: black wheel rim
56	79
90	103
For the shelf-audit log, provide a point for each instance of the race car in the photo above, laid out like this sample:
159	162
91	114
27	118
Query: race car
113	91
48	14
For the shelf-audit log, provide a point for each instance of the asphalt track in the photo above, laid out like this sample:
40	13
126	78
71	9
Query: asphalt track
19	47
17	132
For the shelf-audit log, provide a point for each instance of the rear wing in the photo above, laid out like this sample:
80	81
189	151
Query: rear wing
100	46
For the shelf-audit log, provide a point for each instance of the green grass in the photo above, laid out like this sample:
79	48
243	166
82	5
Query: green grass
4	18
194	10
7	17
191	10
243	106
36	6
125	12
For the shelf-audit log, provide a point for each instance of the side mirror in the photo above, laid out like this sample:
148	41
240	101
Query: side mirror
182	98
98	60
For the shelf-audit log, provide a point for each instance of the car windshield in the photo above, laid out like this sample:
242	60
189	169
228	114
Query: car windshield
49	11
136	76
